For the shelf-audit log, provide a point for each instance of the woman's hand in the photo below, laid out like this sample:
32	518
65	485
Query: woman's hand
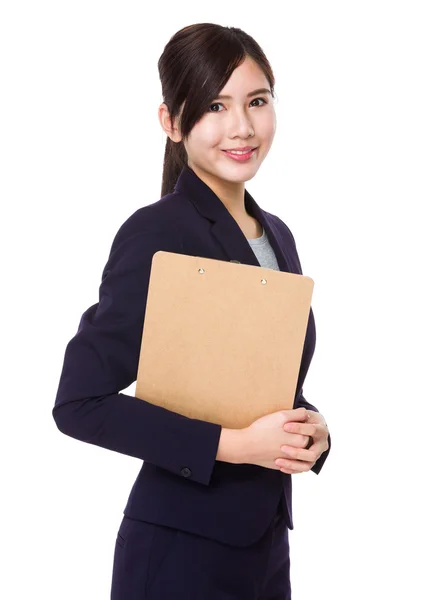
261	441
298	460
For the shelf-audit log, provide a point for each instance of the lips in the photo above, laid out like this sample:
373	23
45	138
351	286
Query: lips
244	149
240	157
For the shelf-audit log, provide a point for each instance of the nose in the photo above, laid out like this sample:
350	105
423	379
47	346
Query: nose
241	125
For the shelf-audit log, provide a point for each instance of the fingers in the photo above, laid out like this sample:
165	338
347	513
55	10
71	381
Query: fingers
293	466
296	440
295	414
299	454
312	429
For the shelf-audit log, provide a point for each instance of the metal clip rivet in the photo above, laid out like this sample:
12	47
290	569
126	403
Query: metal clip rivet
201	270
263	281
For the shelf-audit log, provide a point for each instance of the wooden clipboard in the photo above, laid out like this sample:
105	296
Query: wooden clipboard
222	341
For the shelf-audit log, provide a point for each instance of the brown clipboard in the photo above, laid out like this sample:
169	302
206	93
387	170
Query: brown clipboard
222	341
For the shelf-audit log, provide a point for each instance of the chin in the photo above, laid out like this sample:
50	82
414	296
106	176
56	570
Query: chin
240	173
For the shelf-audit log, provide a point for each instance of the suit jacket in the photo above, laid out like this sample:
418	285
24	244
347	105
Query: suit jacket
180	483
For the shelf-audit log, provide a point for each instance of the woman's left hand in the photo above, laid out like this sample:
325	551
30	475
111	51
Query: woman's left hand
298	460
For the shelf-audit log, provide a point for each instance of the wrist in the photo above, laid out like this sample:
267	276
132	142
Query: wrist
231	445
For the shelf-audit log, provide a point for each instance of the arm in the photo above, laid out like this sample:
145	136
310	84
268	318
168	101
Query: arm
102	358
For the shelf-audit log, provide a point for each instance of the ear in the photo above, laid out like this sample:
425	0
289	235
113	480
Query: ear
165	121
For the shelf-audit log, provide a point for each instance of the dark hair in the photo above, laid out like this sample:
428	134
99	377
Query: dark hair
194	67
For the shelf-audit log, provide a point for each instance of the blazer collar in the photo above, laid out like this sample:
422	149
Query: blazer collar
224	227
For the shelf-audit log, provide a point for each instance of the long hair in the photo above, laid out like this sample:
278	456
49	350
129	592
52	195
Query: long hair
195	65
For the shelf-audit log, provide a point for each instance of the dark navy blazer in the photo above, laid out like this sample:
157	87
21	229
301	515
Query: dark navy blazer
180	483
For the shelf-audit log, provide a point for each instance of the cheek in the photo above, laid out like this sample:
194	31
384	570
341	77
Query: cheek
267	127
206	136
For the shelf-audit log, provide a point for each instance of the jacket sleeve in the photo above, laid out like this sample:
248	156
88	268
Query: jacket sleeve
102	359
316	468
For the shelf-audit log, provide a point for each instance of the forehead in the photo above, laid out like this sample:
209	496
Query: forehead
245	78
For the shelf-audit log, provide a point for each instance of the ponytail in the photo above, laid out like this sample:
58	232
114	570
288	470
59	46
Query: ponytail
175	158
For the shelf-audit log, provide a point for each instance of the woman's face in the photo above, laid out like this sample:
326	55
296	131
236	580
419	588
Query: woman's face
235	122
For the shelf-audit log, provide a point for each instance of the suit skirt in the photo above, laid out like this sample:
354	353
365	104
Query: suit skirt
155	562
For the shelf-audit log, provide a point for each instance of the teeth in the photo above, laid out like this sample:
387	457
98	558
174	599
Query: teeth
239	151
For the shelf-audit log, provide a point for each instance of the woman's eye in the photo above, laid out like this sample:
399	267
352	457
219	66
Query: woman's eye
220	104
263	101
215	104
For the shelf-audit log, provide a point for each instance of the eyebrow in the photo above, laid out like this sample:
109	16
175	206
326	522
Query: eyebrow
259	91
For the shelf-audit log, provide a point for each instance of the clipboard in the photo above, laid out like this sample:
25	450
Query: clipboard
222	341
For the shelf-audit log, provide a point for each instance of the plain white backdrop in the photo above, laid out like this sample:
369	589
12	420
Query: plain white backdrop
82	149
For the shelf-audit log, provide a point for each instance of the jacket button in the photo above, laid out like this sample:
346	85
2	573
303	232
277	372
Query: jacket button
186	472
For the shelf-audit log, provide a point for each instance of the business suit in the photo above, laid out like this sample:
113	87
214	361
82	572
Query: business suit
180	484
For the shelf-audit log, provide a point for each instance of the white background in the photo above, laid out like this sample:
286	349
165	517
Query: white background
82	149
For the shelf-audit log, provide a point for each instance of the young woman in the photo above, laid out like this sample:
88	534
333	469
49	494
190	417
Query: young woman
209	513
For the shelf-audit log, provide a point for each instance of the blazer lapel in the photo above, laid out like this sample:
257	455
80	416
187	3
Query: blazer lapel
224	227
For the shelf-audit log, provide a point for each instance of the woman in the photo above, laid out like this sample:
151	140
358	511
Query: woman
209	513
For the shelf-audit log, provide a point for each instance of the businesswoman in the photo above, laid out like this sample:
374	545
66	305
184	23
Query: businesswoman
209	513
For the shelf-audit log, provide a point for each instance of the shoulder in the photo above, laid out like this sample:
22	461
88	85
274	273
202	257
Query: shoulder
155	224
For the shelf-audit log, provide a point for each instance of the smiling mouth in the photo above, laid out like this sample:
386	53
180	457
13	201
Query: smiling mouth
240	156
244	151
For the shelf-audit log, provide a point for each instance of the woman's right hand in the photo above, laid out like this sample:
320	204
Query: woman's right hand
264	437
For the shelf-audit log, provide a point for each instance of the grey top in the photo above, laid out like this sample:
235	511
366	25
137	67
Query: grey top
264	252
